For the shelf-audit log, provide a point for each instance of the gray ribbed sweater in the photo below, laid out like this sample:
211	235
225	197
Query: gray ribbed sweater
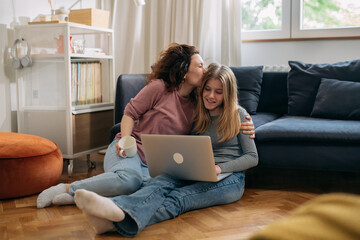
237	154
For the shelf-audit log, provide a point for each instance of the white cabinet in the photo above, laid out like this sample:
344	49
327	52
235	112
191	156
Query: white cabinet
65	96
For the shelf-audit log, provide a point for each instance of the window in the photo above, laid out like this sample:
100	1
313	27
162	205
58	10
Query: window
265	19
330	18
274	19
330	14
261	15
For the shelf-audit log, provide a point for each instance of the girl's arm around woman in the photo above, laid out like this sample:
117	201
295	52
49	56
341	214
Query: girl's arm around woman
249	156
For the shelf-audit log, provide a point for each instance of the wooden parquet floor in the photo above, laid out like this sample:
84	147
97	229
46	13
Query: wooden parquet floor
20	219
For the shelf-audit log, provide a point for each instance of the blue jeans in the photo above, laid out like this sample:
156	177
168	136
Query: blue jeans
121	175
164	198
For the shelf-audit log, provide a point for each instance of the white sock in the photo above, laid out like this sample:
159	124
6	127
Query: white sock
45	197
100	225
63	199
93	204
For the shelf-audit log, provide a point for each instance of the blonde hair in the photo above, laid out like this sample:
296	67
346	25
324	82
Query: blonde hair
228	123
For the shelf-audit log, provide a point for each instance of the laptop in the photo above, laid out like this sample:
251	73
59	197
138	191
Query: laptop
186	157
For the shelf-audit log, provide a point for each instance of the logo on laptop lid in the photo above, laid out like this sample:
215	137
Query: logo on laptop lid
178	158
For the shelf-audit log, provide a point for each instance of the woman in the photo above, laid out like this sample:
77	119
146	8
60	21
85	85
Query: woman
164	197
165	106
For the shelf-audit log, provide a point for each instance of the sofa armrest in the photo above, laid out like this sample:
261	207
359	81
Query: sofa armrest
128	85
113	131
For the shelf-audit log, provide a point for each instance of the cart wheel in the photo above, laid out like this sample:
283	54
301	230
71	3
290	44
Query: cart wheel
70	167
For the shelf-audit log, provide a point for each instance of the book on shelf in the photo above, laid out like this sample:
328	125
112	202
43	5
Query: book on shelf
86	87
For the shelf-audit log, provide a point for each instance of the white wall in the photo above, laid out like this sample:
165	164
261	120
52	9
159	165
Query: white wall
317	51
7	76
13	12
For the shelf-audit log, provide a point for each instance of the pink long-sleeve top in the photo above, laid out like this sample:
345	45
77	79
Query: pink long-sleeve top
157	111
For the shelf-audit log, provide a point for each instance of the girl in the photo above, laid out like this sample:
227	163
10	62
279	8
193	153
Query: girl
164	197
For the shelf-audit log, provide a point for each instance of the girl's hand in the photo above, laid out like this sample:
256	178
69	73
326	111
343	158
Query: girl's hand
248	127
218	169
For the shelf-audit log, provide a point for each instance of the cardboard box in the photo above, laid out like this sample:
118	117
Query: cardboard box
90	16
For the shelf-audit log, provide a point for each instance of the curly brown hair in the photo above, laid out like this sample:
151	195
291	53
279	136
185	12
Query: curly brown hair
172	65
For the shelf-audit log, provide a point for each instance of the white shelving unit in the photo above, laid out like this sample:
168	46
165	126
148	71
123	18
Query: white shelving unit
46	105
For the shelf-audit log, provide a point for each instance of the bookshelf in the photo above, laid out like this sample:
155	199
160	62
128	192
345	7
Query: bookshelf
67	96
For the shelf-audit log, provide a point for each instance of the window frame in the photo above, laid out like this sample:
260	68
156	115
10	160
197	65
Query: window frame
284	32
298	32
291	27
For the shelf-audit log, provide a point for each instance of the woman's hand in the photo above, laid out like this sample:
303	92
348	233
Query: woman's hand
127	125
118	149
248	127
218	169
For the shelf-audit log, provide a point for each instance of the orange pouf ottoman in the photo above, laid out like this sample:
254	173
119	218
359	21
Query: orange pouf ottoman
28	164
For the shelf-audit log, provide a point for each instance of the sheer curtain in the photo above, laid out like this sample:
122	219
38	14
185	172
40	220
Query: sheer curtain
214	26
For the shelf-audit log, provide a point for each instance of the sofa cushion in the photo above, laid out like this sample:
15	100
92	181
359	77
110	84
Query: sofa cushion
249	80
304	80
274	82
337	100
293	128
262	118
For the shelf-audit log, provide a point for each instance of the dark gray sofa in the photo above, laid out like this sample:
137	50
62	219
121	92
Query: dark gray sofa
283	141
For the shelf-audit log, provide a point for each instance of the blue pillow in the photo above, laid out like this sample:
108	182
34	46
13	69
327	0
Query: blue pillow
337	99
274	95
249	80
304	80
